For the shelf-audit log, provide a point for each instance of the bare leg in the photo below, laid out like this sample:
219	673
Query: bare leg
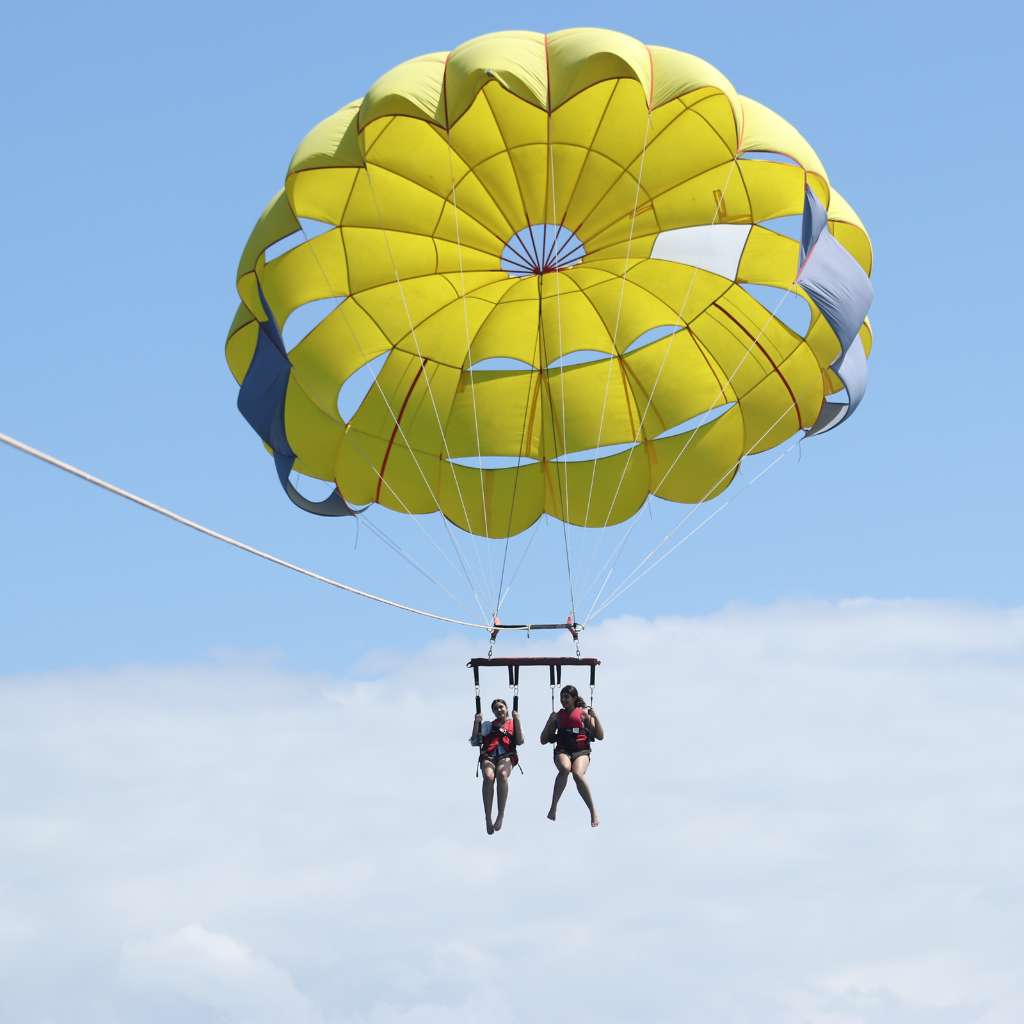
488	793
504	768
579	770
564	766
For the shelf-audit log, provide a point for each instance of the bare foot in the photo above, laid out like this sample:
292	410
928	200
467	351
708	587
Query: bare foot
490	828
594	822
551	814
498	822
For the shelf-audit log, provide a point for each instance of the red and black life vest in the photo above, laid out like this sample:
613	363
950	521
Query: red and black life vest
501	734
572	734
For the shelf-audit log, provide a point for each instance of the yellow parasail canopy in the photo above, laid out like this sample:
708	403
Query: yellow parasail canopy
545	245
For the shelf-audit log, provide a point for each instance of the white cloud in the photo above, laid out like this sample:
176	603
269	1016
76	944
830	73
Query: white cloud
811	813
215	972
936	981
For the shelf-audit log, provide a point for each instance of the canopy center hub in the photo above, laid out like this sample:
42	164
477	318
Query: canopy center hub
541	249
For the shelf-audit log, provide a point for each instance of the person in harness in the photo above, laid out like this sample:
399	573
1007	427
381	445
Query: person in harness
571	730
497	740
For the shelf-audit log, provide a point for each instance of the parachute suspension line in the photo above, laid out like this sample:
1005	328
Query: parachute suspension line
96	481
686	517
561	352
437	417
373	527
650	398
636	577
423	363
382	536
615	358
704	419
379	471
369	462
500	598
732	376
657	378
668	350
611	561
465	321
692	511
416	519
518	245
534	530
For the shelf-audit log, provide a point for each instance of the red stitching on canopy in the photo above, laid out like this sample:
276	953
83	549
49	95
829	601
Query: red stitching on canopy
398	419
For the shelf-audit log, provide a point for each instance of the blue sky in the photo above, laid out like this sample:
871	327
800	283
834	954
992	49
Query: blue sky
141	148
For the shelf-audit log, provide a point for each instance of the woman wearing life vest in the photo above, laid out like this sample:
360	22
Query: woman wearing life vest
497	741
571	731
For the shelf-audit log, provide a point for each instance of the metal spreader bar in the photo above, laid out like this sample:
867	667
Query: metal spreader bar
570	624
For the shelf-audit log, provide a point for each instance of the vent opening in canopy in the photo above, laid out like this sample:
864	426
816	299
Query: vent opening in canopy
541	249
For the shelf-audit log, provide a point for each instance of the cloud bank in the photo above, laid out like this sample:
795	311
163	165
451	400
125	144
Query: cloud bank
811	814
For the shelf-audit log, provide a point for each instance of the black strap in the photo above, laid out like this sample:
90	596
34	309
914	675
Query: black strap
476	691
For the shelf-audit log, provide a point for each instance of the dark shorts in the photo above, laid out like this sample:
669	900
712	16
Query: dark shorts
572	754
494	759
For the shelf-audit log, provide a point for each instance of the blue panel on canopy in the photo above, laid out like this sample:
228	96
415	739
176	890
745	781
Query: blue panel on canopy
842	291
261	401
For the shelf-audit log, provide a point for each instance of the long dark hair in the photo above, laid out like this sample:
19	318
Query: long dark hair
577	700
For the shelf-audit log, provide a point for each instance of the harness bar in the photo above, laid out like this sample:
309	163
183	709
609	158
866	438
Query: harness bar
478	663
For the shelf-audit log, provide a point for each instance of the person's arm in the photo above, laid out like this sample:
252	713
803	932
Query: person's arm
475	735
550	728
596	728
517	729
